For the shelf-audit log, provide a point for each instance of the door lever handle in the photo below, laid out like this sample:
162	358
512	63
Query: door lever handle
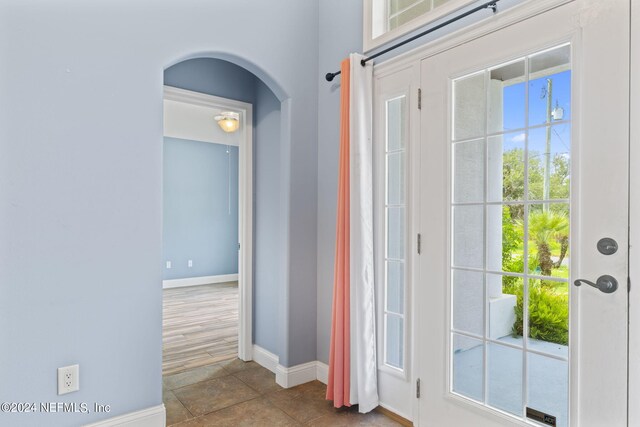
607	284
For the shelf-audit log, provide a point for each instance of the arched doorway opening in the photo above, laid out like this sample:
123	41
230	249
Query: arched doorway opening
214	326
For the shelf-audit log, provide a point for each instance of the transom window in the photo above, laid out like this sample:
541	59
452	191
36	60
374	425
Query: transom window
386	20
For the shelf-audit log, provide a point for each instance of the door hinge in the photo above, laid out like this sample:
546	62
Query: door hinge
238	246
419	243
419	99
418	388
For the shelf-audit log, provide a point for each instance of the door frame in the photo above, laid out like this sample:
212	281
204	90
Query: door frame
499	21
634	212
245	208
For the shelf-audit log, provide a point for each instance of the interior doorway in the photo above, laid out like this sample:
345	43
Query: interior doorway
215	320
207	230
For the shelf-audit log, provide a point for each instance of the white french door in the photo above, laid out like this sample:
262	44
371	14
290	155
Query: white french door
524	144
396	116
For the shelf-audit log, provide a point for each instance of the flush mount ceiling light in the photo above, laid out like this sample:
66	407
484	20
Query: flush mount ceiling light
228	121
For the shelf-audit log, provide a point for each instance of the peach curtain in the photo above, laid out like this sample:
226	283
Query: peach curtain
338	388
352	359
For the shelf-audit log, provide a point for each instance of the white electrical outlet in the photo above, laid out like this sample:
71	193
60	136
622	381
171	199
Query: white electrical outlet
190	263
68	379
168	264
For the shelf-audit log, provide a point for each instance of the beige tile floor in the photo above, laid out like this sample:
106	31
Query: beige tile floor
236	393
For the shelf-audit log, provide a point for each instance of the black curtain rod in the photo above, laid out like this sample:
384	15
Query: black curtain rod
493	5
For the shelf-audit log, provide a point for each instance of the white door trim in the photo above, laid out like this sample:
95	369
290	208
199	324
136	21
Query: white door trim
634	230
245	209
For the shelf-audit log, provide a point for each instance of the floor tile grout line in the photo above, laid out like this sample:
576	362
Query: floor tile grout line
183	405
205	380
225	407
217	410
247	384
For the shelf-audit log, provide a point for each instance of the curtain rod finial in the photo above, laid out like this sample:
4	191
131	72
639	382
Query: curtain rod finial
329	77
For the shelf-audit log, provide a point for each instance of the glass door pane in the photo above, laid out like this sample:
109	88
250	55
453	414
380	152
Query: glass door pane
511	173
395	231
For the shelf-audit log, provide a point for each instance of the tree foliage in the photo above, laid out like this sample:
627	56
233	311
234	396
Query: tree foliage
548	308
513	168
544	227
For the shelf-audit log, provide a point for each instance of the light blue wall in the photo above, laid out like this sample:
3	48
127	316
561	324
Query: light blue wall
340	34
81	184
200	208
81	181
269	226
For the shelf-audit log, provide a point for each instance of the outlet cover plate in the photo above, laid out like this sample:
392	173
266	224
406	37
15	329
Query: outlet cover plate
68	379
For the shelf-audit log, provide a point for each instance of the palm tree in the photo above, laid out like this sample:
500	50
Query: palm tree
543	227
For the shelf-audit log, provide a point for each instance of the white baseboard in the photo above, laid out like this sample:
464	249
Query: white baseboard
195	281
265	358
292	376
322	372
150	417
295	375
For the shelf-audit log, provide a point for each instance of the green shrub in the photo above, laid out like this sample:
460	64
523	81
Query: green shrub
548	308
548	312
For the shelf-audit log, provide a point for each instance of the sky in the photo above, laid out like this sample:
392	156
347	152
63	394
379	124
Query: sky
514	115
514	100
